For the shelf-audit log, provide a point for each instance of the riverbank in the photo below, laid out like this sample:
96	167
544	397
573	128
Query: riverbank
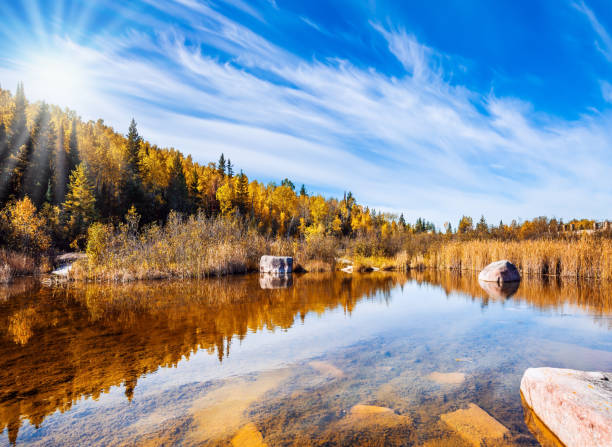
197	247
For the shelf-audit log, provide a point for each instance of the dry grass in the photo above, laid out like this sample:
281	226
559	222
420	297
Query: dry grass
192	247
587	257
16	264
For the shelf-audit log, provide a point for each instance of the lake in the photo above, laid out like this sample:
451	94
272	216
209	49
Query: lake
321	359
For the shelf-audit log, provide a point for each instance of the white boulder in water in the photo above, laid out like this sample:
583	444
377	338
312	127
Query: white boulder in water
275	264
576	406
500	272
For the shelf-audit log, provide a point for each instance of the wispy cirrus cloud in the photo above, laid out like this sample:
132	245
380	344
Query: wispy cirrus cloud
413	142
604	41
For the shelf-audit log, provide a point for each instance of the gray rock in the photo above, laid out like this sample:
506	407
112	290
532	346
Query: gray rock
275	264
576	406
500	272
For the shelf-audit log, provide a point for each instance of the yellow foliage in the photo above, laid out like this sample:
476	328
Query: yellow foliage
27	230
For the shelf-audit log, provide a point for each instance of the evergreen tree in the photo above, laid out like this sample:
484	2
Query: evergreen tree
221	165
402	221
133	146
289	183
131	189
80	204
482	227
230	168
303	191
61	169
3	144
38	172
242	193
18	129
177	195
73	149
18	151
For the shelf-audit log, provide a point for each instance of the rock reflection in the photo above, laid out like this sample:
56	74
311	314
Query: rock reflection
499	291
593	297
275	280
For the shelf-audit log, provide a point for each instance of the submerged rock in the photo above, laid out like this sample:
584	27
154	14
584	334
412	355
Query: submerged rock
576	406
275	281
500	272
275	264
452	378
326	368
476	426
248	436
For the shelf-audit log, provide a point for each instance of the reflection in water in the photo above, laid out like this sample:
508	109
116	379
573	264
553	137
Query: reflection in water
275	280
499	291
60	345
91	337
548	293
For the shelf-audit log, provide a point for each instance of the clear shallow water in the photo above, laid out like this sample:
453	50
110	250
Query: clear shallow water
198	363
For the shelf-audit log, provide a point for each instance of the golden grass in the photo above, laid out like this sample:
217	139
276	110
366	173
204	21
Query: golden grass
193	247
13	264
587	257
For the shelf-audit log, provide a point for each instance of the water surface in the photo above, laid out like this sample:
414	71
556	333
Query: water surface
315	361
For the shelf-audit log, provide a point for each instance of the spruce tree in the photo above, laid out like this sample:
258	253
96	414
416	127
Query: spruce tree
3	144
177	194
402	221
133	146
230	168
38	172
242	193
18	129
80	205
61	168
74	158
18	151
221	165
303	190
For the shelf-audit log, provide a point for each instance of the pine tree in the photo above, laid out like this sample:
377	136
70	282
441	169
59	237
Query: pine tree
133	146
74	158
482	227
303	192
61	168
18	151
80	204
402	221
242	193
3	144
177	195
38	171
221	165
230	168
18	130
288	183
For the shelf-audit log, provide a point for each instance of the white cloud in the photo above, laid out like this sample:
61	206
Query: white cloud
413	143
604	44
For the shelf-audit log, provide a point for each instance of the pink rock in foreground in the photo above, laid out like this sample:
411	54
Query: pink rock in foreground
576	406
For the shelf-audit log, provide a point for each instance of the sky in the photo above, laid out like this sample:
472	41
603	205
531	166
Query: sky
433	109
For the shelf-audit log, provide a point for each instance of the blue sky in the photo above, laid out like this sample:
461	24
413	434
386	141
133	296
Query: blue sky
434	109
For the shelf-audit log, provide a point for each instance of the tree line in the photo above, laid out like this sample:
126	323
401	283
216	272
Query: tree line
59	174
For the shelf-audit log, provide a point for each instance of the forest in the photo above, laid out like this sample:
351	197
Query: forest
141	211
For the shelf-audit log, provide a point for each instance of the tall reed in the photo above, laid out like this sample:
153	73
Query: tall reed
586	257
191	247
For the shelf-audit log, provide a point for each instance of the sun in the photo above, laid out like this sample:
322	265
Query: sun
57	75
